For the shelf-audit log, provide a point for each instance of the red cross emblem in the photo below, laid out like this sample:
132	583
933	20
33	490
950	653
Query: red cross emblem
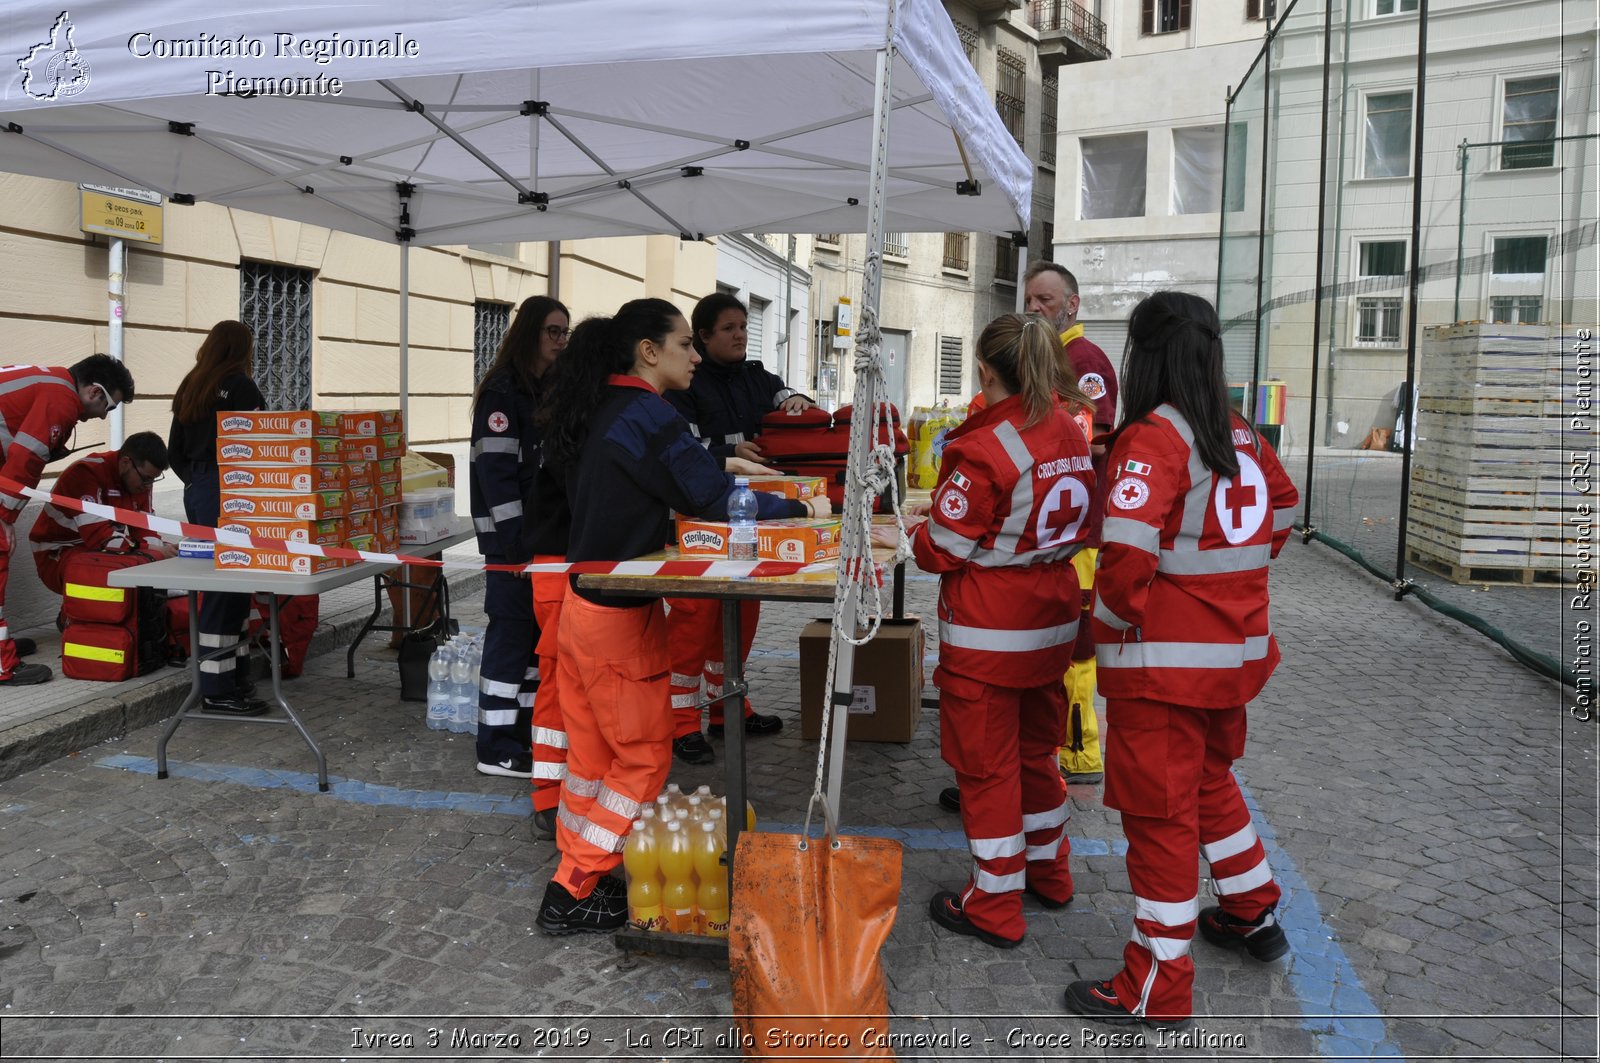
498	422
1237	498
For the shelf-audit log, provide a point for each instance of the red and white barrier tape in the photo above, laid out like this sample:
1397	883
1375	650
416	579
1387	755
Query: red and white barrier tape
165	526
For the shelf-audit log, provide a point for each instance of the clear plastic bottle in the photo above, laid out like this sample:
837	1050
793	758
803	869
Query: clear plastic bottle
465	717
742	521
439	693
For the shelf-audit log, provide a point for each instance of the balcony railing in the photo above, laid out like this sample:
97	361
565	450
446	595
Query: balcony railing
955	251
896	245
1068	16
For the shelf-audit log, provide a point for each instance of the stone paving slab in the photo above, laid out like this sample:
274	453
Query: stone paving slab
1428	805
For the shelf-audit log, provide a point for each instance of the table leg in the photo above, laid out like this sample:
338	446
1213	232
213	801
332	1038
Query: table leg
275	650
377	611
733	725
193	697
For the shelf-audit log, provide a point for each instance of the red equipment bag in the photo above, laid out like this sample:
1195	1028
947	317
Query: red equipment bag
815	443
85	596
178	628
107	653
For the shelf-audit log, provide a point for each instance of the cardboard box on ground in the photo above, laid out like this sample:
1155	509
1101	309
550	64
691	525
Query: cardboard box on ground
887	680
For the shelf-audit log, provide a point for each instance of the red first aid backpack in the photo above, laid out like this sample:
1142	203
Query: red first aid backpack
112	633
816	443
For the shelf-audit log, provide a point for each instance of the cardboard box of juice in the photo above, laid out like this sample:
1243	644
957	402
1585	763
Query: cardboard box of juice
702	538
287	505
281	451
365	424
266	424
796	487
321	532
803	539
255	559
285	477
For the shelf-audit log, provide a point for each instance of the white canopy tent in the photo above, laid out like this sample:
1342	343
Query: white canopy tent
526	120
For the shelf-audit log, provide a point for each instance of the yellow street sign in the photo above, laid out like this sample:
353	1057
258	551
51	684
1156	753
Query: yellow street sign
112	215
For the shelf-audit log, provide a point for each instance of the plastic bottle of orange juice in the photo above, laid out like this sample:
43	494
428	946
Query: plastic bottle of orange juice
641	858
677	871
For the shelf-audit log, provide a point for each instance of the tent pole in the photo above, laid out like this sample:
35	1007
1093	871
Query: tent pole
857	545
405	334
116	286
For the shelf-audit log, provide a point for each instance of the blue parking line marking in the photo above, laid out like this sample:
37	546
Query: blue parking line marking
1322	976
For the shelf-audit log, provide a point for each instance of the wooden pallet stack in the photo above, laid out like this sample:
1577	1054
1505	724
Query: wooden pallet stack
1490	484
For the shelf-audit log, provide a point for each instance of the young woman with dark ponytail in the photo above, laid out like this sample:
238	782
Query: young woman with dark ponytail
629	460
1009	511
1197	506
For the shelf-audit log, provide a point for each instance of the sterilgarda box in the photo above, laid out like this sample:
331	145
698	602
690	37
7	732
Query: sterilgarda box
288	505
255	559
360	473
383	447
329	532
300	478
378	496
284	450
802	540
702	538
364	424
796	487
361	522
293	424
389	471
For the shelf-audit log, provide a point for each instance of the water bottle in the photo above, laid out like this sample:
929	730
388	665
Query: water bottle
466	691
440	709
742	521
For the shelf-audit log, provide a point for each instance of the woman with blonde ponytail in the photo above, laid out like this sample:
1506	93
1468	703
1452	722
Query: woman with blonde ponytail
1008	513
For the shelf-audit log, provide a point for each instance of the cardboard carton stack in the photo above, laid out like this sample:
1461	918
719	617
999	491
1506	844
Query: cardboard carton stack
326	477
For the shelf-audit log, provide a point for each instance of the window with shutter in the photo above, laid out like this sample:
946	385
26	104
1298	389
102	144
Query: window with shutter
755	346
951	364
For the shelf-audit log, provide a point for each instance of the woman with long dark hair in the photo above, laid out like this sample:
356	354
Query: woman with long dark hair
504	464
629	460
1008	513
1198	504
219	381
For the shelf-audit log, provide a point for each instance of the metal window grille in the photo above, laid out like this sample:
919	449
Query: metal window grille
1378	319
1005	259
952	362
896	244
969	42
275	301
489	324
955	250
1047	248
1515	309
1530	109
1011	75
828	240
1047	120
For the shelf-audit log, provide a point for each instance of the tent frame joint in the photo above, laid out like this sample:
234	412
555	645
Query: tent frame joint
969	188
182	129
536	199
534	107
183	199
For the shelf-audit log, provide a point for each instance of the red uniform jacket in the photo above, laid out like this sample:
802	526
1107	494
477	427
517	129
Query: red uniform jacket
91	479
39	409
1180	612
1009	512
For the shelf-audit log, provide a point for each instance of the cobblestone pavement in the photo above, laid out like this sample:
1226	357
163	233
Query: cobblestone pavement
1428	805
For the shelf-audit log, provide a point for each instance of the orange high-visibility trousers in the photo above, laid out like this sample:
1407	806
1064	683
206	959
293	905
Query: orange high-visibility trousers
549	730
613	676
694	634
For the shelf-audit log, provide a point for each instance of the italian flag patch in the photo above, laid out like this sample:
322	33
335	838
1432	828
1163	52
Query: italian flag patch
1137	467
960	482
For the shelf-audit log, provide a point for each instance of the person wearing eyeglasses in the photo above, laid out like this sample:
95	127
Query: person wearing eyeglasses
504	466
219	380
40	406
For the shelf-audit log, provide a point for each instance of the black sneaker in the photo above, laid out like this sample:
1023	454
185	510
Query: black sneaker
754	724
1097	1000
950	799
27	675
693	748
234	705
945	909
544	823
25	647
1263	939
612	886
517	767
601	912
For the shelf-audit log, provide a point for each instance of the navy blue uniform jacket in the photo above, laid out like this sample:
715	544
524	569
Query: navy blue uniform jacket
504	461
639	463
725	403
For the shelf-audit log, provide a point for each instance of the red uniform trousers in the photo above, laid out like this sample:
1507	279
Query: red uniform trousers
549	730
51	562
613	668
1002	743
694	636
1168	771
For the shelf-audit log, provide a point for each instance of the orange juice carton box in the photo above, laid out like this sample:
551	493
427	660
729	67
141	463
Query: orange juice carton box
285	477
360	473
265	424
329	532
796	487
325	424
254	559
286	505
387	471
804	539
702	538
367	543
281	451
365	424
361	522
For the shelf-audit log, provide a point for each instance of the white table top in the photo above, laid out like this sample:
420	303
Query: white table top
201	573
